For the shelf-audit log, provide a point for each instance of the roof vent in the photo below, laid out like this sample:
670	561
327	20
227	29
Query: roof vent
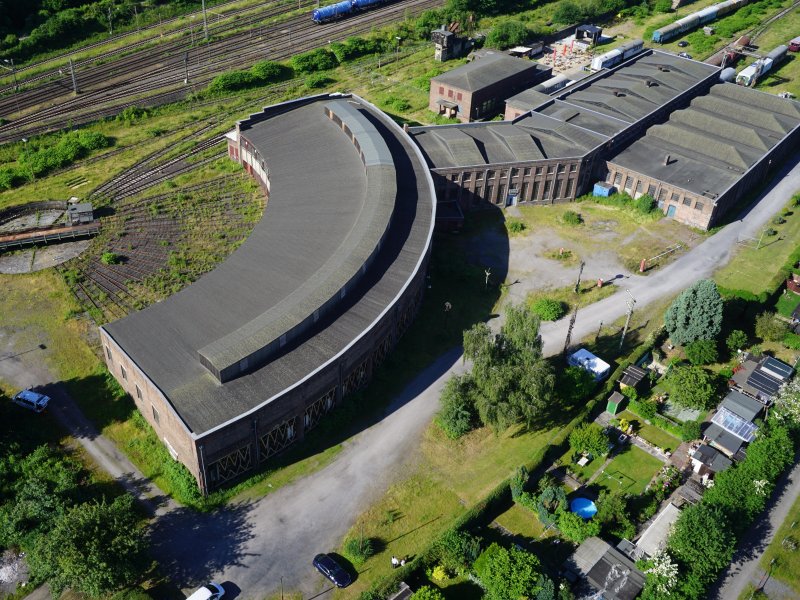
650	83
663	68
666	159
618	93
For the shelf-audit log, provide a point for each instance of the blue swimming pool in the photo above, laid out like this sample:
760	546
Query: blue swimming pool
583	507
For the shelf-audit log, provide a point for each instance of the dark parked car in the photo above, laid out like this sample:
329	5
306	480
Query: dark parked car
683	44
328	566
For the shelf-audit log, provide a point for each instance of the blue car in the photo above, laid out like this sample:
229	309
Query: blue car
328	566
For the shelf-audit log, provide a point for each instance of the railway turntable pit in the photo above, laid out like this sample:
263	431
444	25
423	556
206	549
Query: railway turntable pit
242	363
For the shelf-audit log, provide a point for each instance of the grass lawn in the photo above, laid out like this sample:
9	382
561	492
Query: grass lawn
629	472
655	435
786	303
787	561
585	472
523	522
746	270
786	77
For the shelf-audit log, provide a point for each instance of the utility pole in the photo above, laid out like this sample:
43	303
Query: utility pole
110	25
578	281
74	81
630	303
569	329
186	67
205	22
599	329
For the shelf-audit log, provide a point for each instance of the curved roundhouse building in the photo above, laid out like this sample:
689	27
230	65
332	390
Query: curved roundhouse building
239	365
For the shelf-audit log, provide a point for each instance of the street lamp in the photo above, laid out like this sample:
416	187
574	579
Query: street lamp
399	39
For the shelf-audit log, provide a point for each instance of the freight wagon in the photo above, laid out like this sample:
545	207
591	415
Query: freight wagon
342	9
728	55
750	76
696	19
616	56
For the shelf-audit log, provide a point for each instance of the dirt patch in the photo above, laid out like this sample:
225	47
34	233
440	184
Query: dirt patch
13	572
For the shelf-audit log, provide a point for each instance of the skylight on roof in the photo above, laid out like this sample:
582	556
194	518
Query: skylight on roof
732	423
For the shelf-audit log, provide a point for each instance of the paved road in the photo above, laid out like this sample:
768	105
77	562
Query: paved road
696	264
745	568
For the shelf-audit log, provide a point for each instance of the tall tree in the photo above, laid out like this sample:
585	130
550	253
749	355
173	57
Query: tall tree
703	542
508	574
696	314
590	438
691	386
514	383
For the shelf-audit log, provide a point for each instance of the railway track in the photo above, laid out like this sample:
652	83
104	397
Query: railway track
280	41
764	25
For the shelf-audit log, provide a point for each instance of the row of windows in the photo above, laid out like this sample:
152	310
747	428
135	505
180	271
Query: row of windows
124	374
458	95
530	191
651	191
490	174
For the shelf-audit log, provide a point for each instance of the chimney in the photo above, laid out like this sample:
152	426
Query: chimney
666	159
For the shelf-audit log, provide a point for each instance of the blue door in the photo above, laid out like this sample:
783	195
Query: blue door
671	210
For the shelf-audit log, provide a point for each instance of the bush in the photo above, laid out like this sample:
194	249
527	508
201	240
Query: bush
770	328
109	258
778	221
457	415
456	550
646	410
230	82
645	204
548	309
268	71
397	103
507	34
358	551
702	352
320	59
792	341
690	430
317	80
570	217
515	226
427	592
736	340
575	528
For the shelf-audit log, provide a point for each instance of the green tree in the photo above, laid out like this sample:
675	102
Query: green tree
427	592
702	352
550	503
576	528
691	386
589	438
514	383
94	548
736	340
508	574
507	34
456	550
457	413
568	12
770	328
548	309
702	541
696	314
787	404
661	577
613	516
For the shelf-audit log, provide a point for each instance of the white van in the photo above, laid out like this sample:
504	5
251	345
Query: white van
210	591
31	400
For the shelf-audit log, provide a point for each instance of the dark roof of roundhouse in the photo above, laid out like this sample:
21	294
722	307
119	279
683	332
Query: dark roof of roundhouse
318	188
714	141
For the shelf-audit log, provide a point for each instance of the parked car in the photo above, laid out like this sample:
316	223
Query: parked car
210	591
31	400
327	565
683	44
684	55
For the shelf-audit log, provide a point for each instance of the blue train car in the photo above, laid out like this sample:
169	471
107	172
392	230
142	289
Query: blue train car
706	15
332	11
364	4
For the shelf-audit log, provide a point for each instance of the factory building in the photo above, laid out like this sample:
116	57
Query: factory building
479	88
655	124
241	364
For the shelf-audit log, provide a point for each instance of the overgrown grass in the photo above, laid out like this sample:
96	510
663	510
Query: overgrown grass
523	522
655	435
588	293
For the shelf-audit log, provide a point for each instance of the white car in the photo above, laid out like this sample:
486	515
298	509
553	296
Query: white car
210	591
31	400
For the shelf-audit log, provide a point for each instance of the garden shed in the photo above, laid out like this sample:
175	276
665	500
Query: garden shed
615	401
632	377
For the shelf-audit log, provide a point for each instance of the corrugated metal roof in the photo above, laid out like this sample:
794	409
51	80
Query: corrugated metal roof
487	71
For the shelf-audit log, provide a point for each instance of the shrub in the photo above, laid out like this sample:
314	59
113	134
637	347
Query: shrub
515	226
778	221
230	82
690	430
691	386
457	415
771	232
645	204
792	341
317	80
575	528
770	328
507	34
397	103
268	71
456	550
548	309
702	352
320	59
736	340
570	217
109	258
646	410
358	551
427	592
